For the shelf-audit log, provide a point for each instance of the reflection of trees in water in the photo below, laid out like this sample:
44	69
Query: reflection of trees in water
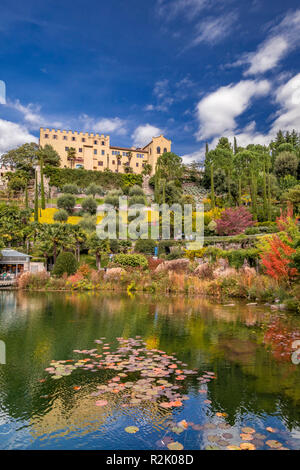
204	335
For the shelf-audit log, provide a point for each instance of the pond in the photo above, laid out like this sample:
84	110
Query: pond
164	373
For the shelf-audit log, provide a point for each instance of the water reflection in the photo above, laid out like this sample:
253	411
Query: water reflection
255	383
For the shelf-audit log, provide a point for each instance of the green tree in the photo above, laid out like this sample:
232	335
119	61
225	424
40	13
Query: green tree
65	263
71	156
98	247
67	202
93	189
89	205
48	155
36	200
23	157
70	188
286	163
61	216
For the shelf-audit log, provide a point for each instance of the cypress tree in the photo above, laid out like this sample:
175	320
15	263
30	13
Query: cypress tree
212	187
43	204
235	147
36	200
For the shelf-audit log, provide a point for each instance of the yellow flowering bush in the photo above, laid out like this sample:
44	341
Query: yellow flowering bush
46	217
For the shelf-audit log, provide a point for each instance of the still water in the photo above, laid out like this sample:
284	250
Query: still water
168	371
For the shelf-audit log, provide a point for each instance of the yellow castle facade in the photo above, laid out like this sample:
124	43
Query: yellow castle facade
94	152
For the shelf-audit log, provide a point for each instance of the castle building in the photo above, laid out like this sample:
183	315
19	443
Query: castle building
94	152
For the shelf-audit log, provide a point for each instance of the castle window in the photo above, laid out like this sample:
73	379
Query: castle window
80	150
46	136
113	162
83	139
73	138
66	149
158	150
95	151
100	163
103	143
95	142
65	137
102	152
136	164
165	150
55	137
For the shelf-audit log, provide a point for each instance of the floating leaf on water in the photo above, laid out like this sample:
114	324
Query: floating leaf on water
213	438
207	402
257	435
270	429
274	444
101	403
222	443
212	448
132	429
177	429
246	437
77	387
175	446
227	435
247	446
248	430
183	424
231	447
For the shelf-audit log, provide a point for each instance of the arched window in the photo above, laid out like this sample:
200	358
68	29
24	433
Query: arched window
158	150
165	150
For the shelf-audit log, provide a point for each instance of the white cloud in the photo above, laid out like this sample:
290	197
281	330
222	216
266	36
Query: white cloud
187	8
267	56
287	117
197	156
281	40
143	134
288	96
13	135
217	111
213	30
103	125
33	119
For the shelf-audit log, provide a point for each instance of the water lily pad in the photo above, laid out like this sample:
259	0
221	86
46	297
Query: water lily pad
101	402
175	446
248	430
274	444
247	446
232	447
132	429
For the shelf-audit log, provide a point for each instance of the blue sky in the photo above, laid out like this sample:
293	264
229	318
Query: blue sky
191	69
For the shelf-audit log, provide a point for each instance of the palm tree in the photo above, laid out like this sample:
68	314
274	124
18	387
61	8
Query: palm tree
57	234
98	247
71	156
79	236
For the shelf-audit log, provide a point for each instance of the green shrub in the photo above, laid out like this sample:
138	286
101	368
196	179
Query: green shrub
145	246
70	189
89	205
65	263
61	216
136	191
133	261
66	202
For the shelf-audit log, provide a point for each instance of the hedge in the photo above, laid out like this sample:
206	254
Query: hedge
83	178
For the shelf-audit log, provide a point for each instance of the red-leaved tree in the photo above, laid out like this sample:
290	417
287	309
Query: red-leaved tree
277	260
234	220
